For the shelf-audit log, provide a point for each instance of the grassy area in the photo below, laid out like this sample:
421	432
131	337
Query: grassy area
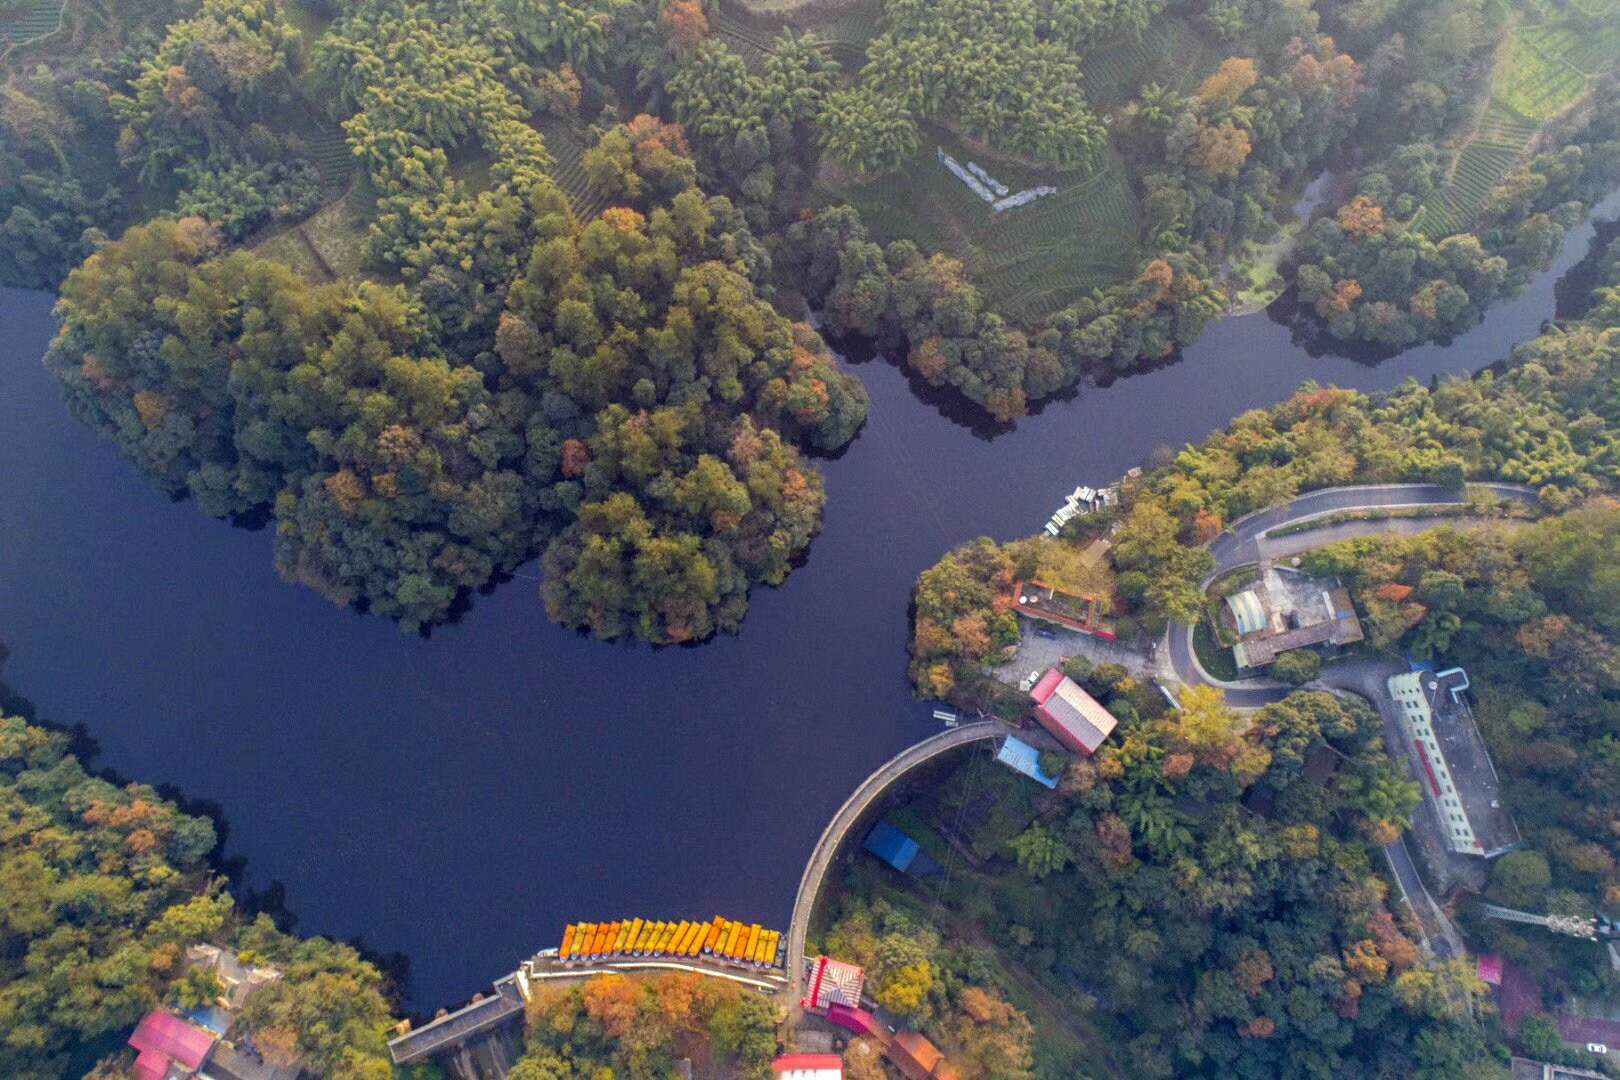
1029	261
330	244
1033	260
311	24
1058	1025
1216	658
1544	65
471	164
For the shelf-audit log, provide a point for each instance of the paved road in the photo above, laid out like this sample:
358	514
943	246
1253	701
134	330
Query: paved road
1368	679
1238	545
1244	543
837	830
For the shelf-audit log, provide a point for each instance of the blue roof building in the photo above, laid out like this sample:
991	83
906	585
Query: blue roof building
899	850
1019	756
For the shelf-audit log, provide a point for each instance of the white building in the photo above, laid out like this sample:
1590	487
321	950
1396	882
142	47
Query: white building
1458	777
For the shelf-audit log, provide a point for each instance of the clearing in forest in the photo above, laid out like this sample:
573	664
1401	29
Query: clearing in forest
1028	261
331	244
566	145
1032	260
844	32
1544	66
1170	53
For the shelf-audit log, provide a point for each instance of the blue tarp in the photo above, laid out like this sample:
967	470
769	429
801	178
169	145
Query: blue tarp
891	845
1019	755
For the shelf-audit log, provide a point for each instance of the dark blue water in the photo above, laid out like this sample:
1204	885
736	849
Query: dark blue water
460	798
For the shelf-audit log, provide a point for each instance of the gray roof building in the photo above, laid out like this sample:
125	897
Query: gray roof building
1458	777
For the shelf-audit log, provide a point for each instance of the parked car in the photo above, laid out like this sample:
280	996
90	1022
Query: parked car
1597	1048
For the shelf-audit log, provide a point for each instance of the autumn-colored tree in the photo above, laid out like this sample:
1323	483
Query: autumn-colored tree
994	1036
1393	946
1340	300
684	22
1221	149
1364	962
1235	75
1361	217
612	1001
1253	971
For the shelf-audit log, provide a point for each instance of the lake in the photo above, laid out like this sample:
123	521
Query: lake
460	798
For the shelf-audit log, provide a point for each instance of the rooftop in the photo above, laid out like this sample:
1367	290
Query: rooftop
163	1039
898	850
1019	756
1039	600
834	982
1074	717
1327	617
1526	1069
1466	758
808	1067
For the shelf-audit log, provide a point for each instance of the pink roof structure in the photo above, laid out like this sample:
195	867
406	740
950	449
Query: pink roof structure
1073	716
164	1039
1490	969
859	1021
809	1067
834	982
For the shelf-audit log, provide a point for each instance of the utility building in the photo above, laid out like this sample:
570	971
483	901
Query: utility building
1457	774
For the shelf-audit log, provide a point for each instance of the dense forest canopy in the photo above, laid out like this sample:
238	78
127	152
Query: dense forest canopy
1194	895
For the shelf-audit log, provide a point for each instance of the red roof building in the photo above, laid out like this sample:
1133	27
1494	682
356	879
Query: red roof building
1073	716
808	1067
164	1040
919	1059
833	982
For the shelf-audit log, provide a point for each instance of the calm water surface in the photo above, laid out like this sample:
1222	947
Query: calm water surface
460	798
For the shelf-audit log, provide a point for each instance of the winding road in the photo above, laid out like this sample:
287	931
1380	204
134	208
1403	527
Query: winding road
1245	543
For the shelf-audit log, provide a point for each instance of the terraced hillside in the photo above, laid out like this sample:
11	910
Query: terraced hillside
749	42
1500	142
1028	261
567	149
35	19
330	149
1544	66
1171	53
1034	259
844	33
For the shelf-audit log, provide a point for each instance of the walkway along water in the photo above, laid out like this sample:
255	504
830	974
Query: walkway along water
460	798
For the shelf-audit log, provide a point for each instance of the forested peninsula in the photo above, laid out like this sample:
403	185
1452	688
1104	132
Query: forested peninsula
1165	810
440	287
